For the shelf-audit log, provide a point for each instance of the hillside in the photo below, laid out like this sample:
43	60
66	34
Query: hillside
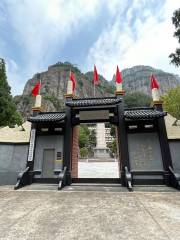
137	79
54	82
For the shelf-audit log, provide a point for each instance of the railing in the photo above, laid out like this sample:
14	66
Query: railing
22	179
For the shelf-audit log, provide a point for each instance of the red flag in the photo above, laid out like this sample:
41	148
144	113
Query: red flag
118	76
96	77
72	78
154	82
36	88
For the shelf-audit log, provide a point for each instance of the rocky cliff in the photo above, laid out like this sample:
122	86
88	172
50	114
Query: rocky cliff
54	83
137	79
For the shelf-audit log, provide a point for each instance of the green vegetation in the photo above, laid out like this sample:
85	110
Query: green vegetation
84	136
137	99
103	85
56	102
84	152
67	66
113	148
171	102
8	114
175	57
87	140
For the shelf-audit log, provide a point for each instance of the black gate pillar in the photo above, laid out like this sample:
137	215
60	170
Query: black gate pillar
68	143
165	150
26	177
123	144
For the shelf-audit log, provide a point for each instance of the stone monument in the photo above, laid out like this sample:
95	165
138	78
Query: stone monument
101	150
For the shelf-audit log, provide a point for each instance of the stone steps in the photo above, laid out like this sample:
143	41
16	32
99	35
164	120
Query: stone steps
97	187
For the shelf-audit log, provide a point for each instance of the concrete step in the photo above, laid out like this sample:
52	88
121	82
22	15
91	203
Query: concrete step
40	187
95	187
153	188
101	187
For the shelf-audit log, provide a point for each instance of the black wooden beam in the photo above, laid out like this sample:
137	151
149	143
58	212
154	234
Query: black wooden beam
165	149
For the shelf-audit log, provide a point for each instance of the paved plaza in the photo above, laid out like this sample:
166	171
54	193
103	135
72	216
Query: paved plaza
89	215
98	169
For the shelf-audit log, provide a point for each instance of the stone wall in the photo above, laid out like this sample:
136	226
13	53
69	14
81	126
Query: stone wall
13	158
175	154
48	142
144	152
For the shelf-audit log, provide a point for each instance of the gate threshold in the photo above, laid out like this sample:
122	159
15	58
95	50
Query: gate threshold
96	180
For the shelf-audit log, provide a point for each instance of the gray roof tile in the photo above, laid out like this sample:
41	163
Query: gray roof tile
93	102
142	114
48	117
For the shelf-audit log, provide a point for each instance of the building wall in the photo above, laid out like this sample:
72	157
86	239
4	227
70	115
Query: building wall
48	142
13	158
144	151
175	154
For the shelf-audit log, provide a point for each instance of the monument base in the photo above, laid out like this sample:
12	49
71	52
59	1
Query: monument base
101	152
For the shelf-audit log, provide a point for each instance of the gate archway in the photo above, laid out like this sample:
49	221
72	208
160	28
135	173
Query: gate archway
95	110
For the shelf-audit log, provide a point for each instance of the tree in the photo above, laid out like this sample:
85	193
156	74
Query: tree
87	140
175	57
92	138
8	114
84	136
171	102
113	148
137	99
84	152
113	131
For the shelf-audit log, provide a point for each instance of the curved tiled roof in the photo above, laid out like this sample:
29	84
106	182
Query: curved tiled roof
129	114
48	117
142	114
92	102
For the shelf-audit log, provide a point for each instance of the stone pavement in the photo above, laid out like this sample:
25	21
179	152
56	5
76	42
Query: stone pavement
89	215
98	170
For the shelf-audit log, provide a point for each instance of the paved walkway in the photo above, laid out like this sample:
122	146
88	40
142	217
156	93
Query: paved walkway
89	215
98	170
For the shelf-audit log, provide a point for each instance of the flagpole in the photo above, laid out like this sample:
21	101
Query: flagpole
40	87
94	91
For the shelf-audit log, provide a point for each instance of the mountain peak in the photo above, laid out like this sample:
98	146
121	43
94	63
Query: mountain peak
54	83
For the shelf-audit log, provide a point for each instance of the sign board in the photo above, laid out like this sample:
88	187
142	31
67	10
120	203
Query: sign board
59	156
144	152
94	115
31	145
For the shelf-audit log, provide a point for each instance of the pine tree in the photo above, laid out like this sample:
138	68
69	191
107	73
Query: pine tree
8	114
175	57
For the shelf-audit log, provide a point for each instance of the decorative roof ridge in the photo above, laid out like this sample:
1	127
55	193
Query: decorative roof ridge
41	113
93	98
87	102
139	108
51	116
143	114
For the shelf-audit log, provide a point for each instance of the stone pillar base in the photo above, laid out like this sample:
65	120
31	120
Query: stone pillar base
101	152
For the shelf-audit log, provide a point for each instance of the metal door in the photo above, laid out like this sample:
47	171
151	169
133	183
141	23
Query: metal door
48	163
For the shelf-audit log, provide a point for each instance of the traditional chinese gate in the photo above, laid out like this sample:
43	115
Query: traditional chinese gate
144	154
94	110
